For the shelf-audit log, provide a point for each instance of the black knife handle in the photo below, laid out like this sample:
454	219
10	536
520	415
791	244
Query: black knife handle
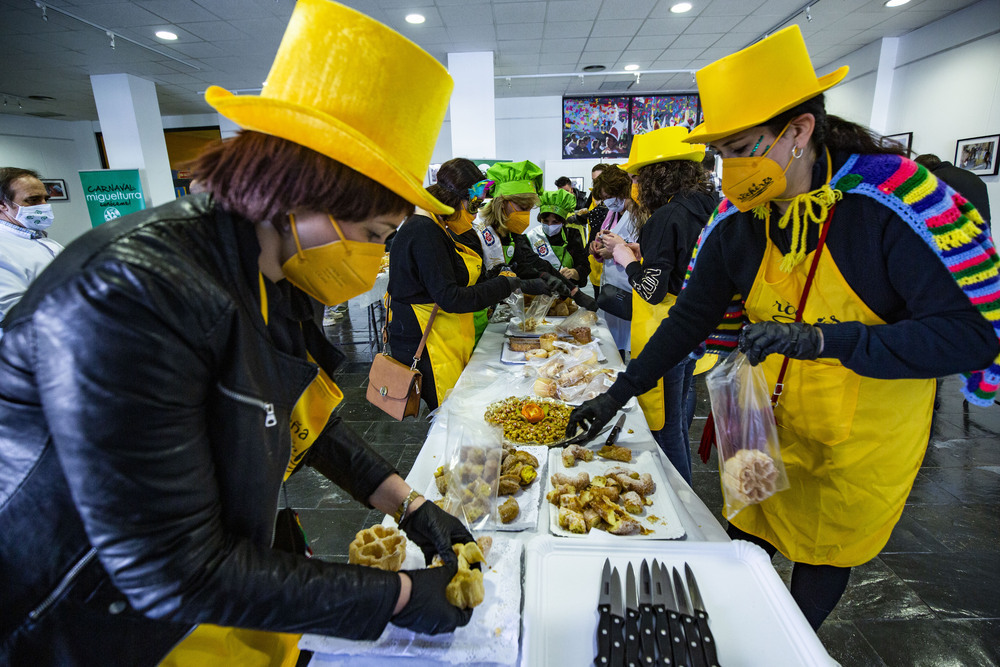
603	658
707	639
677	642
663	647
695	651
631	637
647	654
617	633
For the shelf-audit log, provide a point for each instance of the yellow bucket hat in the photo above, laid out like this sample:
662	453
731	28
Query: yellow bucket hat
756	84
338	85
662	145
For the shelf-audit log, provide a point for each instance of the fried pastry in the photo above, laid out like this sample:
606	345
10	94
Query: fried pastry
508	510
579	482
615	453
380	546
574	453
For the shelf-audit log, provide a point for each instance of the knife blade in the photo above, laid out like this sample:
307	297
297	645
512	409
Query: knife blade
615	432
604	618
631	619
668	655
617	631
701	618
647	652
673	625
695	651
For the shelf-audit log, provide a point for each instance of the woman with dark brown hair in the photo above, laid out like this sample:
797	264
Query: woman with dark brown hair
669	184
428	267
184	376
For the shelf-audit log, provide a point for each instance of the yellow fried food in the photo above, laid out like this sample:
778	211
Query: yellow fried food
527	475
380	546
615	453
465	590
508	510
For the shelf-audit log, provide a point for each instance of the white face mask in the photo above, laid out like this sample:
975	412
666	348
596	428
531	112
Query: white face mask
35	218
552	230
616	205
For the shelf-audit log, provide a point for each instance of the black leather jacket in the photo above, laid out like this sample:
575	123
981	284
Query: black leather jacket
144	411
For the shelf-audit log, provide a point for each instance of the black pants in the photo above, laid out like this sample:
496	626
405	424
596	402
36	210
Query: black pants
815	588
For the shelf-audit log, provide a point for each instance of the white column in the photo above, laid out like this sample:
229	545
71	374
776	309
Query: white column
883	84
473	115
133	131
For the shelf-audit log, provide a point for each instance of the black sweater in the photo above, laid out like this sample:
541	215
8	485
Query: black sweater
424	267
530	265
666	240
932	329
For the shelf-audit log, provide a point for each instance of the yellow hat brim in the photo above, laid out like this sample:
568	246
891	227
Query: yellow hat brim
326	135
695	155
705	133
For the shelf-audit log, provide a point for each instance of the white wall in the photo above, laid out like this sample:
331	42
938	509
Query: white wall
55	149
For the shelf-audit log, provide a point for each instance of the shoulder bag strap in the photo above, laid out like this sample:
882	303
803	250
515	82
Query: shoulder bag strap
779	385
423	340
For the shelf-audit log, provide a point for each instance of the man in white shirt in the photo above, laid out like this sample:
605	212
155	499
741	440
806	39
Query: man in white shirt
25	248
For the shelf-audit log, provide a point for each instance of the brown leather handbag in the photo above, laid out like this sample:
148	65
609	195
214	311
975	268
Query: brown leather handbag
394	387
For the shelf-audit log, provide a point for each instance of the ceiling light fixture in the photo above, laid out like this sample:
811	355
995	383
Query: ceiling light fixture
681	7
594	68
809	16
895	3
415	18
631	68
166	34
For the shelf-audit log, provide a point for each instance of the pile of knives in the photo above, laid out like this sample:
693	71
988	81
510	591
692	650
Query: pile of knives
654	623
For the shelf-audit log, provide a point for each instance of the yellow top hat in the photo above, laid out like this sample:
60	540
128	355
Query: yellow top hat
662	145
756	84
354	90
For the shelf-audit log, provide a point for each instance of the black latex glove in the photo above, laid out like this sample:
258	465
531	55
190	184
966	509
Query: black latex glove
556	285
434	531
797	340
592	415
529	285
585	301
428	611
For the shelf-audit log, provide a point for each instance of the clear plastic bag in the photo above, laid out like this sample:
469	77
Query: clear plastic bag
746	434
535	312
579	319
468	481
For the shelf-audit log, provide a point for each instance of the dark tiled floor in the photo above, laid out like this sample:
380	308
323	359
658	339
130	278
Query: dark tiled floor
931	598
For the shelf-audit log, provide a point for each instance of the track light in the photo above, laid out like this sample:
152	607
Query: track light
112	36
809	17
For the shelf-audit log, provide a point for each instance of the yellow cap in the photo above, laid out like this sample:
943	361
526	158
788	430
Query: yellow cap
752	86
662	145
354	90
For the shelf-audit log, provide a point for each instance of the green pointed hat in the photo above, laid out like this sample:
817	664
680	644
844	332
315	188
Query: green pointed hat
515	178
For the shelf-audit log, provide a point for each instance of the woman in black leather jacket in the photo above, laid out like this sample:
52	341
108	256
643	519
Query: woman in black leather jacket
149	379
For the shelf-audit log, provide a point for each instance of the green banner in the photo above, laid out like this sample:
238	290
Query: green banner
112	193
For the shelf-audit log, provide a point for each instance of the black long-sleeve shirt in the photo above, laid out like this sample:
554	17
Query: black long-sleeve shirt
931	330
530	265
424	267
666	240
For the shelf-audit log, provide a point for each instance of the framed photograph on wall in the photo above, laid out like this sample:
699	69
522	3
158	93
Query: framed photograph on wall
596	127
56	189
904	139
978	154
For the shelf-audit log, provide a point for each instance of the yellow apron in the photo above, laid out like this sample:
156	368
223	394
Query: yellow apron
851	445
453	335
646	318
208	644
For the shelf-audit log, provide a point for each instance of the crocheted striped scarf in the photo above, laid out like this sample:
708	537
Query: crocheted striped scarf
950	226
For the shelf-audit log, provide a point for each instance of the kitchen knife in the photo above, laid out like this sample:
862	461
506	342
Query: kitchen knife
631	619
701	618
604	618
664	628
695	651
615	432
647	652
617	631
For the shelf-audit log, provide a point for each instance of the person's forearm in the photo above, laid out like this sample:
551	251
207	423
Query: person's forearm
389	495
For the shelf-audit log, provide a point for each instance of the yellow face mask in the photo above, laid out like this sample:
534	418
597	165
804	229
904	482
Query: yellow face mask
518	221
749	182
635	193
462	223
333	272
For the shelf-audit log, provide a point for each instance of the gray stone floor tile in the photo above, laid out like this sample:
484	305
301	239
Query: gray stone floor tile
955	585
876	592
847	645
934	643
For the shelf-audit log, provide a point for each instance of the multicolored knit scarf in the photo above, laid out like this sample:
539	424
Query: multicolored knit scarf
943	218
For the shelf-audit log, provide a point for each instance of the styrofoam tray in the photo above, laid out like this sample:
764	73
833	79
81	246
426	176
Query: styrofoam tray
527	499
660	517
751	613
490	637
509	356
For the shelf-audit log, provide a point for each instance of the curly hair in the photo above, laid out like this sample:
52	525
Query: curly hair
613	183
494	212
660	181
262	177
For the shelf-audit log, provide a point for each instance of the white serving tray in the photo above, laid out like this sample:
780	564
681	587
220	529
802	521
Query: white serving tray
666	525
547	325
751	613
527	499
490	637
509	356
